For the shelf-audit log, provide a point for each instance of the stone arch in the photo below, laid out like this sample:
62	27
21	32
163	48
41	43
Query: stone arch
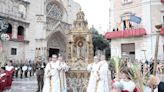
56	41
20	30
57	28
9	29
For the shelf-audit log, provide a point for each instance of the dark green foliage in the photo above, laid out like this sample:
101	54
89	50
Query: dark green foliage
99	43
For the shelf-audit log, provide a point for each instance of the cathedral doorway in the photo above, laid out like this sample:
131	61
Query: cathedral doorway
56	44
53	51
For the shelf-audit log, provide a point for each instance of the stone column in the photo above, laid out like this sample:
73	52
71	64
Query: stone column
14	31
44	48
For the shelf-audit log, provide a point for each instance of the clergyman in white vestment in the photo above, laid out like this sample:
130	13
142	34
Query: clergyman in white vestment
92	68
102	76
52	76
64	68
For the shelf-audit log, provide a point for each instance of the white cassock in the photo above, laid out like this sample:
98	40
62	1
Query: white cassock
128	85
9	68
52	69
125	86
64	68
24	68
103	74
92	80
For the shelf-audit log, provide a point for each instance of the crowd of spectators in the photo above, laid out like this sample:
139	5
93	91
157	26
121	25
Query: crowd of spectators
15	70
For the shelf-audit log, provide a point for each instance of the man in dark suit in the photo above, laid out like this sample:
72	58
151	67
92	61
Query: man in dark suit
161	87
21	71
16	70
40	74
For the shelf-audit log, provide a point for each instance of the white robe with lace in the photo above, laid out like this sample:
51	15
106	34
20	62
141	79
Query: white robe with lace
52	69
98	71
92	68
123	85
64	68
103	83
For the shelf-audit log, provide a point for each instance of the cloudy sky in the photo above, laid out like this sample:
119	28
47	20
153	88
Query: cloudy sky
97	13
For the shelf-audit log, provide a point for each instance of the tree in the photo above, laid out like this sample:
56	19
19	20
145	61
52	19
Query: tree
99	43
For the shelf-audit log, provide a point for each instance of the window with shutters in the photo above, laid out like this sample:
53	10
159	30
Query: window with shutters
128	50
13	51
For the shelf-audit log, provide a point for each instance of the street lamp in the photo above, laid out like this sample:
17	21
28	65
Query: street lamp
144	53
158	27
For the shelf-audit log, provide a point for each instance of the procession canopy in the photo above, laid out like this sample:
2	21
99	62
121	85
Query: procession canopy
79	52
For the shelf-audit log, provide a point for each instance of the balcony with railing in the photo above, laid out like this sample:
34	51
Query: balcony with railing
135	32
20	38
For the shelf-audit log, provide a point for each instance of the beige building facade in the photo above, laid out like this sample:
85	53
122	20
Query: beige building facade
133	33
37	28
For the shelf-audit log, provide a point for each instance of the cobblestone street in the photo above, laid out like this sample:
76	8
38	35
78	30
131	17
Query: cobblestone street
30	84
81	45
24	85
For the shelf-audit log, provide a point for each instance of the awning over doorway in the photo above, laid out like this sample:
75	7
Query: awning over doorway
125	33
162	31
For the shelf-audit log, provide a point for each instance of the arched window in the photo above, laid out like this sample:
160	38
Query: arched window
9	29
21	31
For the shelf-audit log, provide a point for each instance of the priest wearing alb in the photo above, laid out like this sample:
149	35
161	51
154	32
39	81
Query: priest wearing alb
62	76
92	80
102	83
52	76
100	79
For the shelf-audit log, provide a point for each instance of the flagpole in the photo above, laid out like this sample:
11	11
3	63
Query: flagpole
158	27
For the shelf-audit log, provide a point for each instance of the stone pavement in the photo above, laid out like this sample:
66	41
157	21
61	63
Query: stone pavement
30	84
24	85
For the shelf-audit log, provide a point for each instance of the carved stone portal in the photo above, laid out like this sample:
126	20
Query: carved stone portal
79	54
